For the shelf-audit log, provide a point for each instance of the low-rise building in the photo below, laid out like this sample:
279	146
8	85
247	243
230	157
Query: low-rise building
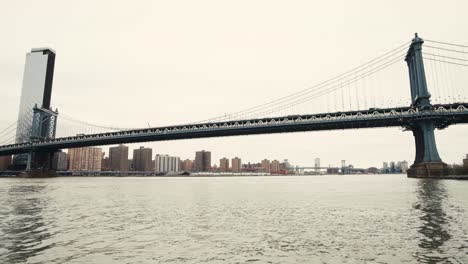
187	165
59	161
5	162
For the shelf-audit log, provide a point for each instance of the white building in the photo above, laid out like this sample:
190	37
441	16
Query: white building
404	166
385	165
166	163
317	164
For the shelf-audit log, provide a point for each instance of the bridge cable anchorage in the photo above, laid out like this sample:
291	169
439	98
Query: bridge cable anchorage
293	96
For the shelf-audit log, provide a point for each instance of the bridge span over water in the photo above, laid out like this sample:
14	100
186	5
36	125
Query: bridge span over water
35	137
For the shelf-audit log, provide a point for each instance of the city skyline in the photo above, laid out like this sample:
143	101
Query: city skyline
255	59
231	164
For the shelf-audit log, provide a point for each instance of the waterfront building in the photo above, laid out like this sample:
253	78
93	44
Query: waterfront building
343	163
385	168
316	165
118	158
84	159
130	165
236	164
223	165
36	91
403	166
392	168
187	165
266	165
275	166
252	167
59	161
465	161
5	162
203	161
166	163
142	159
105	163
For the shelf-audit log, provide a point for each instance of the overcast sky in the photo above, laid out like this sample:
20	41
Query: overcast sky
140	63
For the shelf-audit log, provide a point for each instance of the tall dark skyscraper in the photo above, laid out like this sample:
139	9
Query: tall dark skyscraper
203	161
37	90
143	159
118	158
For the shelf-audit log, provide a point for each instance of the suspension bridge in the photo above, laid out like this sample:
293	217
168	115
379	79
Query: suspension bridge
355	99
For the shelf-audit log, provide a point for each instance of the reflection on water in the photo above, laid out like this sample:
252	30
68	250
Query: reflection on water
335	219
23	229
434	221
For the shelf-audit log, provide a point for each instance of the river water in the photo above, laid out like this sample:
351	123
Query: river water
287	219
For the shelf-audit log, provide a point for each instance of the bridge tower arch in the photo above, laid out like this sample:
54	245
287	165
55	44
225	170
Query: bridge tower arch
427	162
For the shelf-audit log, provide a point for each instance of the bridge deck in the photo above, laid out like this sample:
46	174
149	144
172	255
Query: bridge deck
442	115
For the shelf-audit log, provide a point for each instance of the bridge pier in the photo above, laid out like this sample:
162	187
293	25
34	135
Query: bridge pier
427	163
39	165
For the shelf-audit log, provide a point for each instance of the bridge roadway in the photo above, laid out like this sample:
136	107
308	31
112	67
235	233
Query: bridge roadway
442	115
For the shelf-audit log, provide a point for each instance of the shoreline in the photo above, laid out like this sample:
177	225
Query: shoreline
11	175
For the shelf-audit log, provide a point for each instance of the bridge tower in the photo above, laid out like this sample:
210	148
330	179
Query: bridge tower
427	162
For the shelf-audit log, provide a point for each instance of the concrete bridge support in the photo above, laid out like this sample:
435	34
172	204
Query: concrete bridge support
427	163
39	165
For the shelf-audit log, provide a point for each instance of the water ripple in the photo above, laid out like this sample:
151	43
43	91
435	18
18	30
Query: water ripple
352	219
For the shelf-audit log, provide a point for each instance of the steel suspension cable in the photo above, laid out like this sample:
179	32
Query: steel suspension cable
318	94
326	87
454	63
1	132
346	74
445	49
446	43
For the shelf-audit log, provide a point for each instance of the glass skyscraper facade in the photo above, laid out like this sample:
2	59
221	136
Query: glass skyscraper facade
36	90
